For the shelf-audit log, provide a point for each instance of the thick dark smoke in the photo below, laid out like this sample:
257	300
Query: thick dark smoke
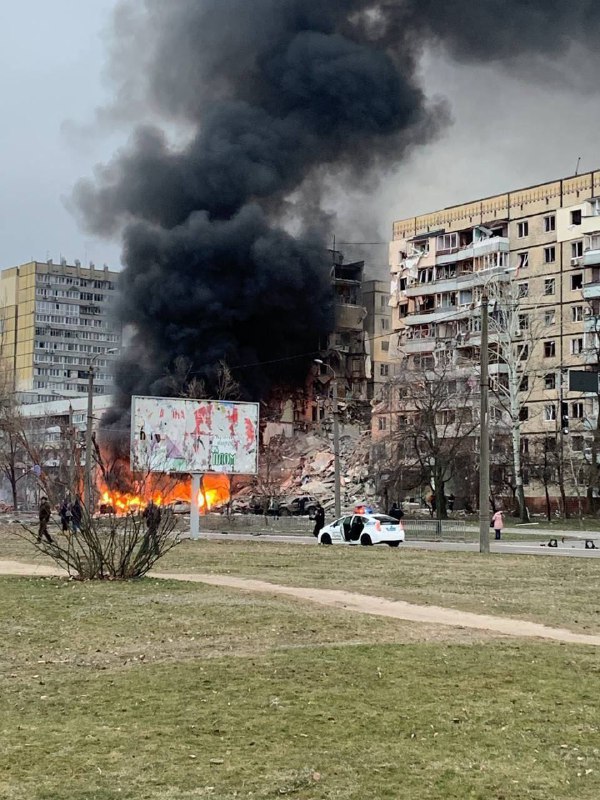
278	97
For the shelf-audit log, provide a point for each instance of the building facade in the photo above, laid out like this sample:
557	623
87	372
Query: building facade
56	323
540	248
377	324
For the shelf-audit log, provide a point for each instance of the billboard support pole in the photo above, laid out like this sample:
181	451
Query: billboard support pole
194	510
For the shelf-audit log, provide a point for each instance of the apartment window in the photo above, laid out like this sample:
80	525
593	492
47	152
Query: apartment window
550	381
522	260
524	413
385	324
549	286
522	229
549	255
577	410
549	223
448	241
384	370
523	290
577	313
385	346
524	384
577	444
523	352
549	318
576	217
577	249
549	412
523	322
403	284
549	349
383	301
576	281
576	346
524	446
382	423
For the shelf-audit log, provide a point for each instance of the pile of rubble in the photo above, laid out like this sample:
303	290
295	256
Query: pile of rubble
304	464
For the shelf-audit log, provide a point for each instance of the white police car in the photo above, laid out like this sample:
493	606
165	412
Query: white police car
363	528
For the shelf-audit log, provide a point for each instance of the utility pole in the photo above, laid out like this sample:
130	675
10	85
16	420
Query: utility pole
484	437
336	440
87	483
336	452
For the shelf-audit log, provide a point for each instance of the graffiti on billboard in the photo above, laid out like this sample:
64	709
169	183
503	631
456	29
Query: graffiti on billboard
174	435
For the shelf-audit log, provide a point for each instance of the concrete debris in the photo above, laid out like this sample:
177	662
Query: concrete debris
304	465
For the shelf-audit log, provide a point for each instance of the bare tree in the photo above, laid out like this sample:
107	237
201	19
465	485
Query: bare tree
433	419
514	332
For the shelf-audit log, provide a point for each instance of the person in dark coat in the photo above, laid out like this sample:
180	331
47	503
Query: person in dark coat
44	517
64	513
396	512
76	515
153	515
319	519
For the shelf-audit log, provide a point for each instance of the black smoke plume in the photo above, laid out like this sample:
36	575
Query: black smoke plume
276	97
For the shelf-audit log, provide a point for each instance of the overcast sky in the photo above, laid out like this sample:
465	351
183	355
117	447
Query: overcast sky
507	132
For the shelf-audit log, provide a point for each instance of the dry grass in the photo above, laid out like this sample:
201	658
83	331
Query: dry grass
153	690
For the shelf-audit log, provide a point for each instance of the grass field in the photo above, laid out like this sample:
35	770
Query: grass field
172	690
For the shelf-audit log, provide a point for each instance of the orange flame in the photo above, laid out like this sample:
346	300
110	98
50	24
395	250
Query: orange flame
163	491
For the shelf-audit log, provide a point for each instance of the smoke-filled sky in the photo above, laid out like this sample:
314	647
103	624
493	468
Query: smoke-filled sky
507	131
253	131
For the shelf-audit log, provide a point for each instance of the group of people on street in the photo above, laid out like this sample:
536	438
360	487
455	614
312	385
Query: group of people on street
71	516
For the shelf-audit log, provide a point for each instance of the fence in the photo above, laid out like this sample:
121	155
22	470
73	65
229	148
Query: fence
425	529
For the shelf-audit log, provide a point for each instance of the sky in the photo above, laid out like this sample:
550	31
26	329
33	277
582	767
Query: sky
508	130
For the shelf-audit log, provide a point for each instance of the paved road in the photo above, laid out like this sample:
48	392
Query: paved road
574	548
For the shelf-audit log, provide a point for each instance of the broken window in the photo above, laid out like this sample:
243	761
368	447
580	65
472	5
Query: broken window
523	289
523	322
577	410
576	217
522	260
549	318
524	413
549	412
550	381
549	286
576	346
550	349
577	313
576	281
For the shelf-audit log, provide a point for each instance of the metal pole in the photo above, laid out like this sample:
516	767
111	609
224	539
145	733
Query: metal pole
484	437
336	452
194	510
87	483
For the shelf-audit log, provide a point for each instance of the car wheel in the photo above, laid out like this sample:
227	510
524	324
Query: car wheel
325	539
393	544
365	540
285	512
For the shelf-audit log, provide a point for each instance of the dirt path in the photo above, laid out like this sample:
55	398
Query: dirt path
351	601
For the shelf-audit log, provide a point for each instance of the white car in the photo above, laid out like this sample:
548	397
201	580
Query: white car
365	529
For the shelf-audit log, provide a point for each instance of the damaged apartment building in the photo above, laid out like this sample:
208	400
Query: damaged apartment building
540	247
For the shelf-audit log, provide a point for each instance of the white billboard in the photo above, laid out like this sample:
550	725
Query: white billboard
169	434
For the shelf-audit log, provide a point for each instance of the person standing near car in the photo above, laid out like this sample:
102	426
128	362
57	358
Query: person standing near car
498	524
396	512
319	519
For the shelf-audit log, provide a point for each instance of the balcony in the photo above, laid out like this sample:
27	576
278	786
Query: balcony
591	258
591	290
349	317
495	244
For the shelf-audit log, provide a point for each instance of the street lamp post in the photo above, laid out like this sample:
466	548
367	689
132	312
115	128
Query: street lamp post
87	484
484	437
336	442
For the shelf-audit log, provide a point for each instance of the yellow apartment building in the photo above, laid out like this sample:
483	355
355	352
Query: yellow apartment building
55	322
541	246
